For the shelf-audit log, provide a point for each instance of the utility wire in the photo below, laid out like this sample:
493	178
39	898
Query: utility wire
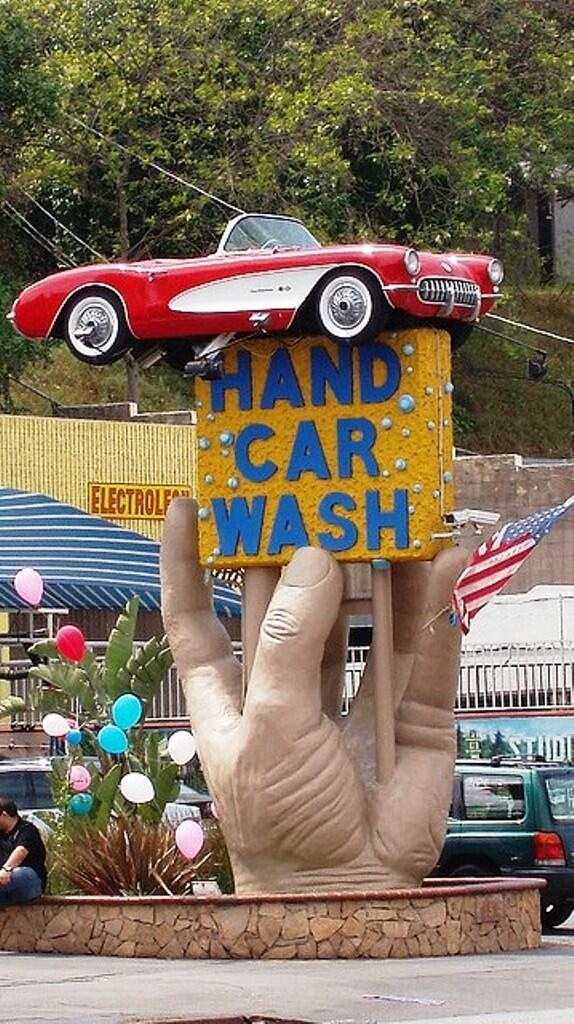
62	226
535	330
35	234
513	341
156	167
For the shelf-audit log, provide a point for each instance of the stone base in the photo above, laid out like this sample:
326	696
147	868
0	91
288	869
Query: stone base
439	919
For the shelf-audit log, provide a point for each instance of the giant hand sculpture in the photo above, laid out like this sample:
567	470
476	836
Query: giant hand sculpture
301	802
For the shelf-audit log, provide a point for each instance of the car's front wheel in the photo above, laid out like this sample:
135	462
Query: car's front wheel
350	306
95	329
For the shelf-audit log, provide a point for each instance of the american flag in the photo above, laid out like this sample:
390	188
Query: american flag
498	558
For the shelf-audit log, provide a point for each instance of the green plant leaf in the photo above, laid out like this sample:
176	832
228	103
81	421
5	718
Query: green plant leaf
119	651
11	706
105	792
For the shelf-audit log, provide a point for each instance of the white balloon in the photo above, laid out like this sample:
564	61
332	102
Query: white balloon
137	788
55	725
181	746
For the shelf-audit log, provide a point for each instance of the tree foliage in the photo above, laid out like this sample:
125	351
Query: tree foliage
419	120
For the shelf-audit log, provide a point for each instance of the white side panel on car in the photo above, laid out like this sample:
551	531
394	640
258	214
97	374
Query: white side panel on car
271	289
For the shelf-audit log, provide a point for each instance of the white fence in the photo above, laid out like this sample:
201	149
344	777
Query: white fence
511	677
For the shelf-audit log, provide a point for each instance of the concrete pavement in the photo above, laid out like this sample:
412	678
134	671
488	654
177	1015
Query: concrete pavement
535	987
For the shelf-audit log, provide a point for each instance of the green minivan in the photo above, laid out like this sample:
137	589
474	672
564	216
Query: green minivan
514	818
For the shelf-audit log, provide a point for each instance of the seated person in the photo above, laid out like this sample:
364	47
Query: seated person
22	856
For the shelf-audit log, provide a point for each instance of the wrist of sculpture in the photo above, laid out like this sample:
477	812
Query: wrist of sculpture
367	877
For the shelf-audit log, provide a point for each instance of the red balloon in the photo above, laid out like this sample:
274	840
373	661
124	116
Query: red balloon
70	643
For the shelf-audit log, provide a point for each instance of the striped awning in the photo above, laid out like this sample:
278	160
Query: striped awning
84	561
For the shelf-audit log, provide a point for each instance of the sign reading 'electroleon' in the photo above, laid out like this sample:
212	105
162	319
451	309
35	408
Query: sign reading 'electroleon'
313	442
133	501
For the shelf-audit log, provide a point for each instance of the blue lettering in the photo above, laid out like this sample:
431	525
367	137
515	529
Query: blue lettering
281	384
349	533
239	524
368	356
339	378
240	380
307	455
288	527
356	437
397	520
247	468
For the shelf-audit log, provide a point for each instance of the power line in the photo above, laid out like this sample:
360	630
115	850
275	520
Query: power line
157	167
62	226
35	234
535	330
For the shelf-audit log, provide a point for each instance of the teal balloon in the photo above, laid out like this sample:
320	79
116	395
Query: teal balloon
127	710
74	737
113	740
81	803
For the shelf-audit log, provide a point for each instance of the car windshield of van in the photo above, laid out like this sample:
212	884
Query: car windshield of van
560	790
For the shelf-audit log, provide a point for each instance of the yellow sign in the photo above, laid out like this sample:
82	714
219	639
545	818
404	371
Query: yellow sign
133	501
314	442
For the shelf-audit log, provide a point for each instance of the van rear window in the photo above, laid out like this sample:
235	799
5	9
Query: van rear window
486	798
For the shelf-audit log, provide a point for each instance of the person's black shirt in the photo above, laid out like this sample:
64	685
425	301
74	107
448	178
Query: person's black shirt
25	834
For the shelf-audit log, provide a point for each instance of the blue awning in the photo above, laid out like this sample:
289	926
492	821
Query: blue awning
84	561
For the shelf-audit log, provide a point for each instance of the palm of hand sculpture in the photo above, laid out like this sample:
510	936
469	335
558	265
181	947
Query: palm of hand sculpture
298	794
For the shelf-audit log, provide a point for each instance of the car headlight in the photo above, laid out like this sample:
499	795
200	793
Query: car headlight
412	261
495	271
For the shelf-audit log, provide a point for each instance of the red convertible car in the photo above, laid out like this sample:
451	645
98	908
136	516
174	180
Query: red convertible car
268	275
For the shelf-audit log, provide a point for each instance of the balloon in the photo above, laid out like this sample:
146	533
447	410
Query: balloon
189	838
214	811
29	585
181	746
112	740
137	788
79	778
55	725
74	737
70	643
81	803
127	710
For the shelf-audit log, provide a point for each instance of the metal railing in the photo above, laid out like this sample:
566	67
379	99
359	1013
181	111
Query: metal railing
509	677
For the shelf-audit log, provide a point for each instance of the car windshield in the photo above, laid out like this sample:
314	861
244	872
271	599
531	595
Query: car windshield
560	789
263	231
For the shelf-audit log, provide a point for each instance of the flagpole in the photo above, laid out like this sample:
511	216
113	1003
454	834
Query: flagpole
382	651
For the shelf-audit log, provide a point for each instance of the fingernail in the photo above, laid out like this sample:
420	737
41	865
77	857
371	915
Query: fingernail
307	567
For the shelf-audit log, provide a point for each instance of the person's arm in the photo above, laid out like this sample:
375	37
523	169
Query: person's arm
16	858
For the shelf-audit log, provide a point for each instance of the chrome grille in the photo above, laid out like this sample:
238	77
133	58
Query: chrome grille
444	289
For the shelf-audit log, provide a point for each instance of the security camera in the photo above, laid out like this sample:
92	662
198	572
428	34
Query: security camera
475	516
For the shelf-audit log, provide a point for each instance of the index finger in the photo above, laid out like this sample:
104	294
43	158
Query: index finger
201	646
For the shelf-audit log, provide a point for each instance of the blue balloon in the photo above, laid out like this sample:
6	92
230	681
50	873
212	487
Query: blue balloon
113	740
81	803
74	737
127	710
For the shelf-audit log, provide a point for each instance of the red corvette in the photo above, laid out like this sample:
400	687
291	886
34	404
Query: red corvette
268	275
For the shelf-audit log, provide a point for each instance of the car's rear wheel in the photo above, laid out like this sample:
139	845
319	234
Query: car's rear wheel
554	914
350	306
94	327
471	870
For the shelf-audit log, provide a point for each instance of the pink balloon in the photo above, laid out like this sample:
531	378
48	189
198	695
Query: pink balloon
70	643
189	838
29	585
80	778
214	811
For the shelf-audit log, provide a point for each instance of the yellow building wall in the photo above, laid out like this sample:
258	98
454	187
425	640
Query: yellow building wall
123	471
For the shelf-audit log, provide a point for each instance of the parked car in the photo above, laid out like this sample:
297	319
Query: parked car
514	818
268	275
27	782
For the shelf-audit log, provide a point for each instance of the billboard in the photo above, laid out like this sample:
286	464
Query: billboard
315	442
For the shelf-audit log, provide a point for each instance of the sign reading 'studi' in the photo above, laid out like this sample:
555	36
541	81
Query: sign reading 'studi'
346	447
